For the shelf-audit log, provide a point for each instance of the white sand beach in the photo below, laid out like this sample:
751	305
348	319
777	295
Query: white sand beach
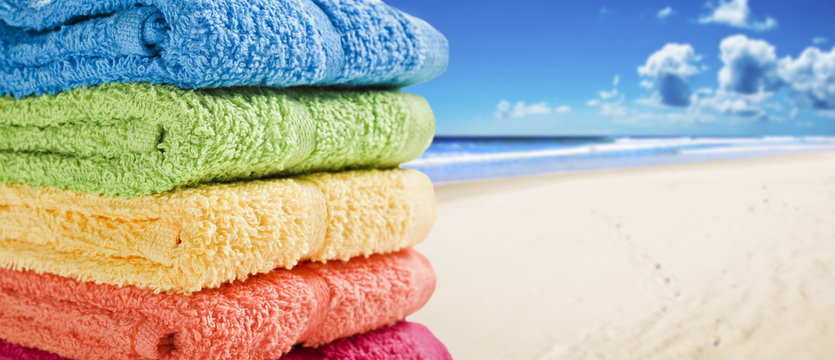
722	260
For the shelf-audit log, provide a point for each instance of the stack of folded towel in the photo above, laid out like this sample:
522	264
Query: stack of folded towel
195	179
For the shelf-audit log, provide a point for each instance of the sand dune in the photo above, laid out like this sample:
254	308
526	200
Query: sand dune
723	260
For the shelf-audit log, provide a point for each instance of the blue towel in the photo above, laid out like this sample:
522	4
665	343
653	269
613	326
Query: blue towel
48	46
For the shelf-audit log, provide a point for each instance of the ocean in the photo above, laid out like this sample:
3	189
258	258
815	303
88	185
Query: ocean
457	159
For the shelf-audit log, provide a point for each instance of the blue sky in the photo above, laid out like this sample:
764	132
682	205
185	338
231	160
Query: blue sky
550	67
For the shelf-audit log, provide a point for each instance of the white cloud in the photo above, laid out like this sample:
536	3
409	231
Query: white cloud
609	106
605	95
811	77
679	117
669	71
750	66
614	109
664	13
731	103
677	59
618	111
521	109
819	40
736	13
502	110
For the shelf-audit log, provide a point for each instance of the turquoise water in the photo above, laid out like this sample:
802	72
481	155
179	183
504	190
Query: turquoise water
456	159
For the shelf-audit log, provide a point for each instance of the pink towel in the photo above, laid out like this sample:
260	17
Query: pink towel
260	318
404	341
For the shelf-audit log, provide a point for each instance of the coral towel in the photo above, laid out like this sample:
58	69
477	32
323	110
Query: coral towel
48	46
132	139
260	318
194	238
404	341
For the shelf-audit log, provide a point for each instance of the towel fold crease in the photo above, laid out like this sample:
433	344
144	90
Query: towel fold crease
57	45
134	139
404	341
201	237
260	318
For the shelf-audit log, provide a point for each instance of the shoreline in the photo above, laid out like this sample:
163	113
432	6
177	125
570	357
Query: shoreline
675	261
765	158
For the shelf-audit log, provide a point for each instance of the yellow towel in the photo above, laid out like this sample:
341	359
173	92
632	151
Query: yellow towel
196	238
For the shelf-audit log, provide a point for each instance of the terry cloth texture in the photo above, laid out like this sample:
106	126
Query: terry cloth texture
132	139
47	46
261	318
404	341
201	237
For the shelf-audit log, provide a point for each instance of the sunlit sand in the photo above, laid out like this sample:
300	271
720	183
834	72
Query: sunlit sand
724	260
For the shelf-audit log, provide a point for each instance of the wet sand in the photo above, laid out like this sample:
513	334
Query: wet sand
723	260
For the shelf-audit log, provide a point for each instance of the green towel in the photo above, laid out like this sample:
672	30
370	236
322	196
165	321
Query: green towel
132	139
